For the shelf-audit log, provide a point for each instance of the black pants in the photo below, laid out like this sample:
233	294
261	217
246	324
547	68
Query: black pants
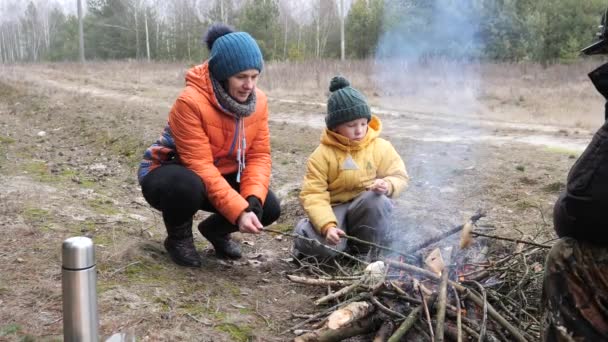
179	193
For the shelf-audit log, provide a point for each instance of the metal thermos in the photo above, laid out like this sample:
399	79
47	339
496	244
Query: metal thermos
78	278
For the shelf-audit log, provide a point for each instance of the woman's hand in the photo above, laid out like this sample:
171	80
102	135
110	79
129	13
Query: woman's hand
248	223
380	186
333	235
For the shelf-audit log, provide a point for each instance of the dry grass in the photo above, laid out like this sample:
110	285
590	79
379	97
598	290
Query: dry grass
523	92
558	95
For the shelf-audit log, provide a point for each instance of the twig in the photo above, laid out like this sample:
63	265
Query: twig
385	309
495	237
259	314
364	242
484	297
384	332
458	316
426	312
444	235
523	277
441	302
406	325
198	320
123	268
317	282
316	243
345	290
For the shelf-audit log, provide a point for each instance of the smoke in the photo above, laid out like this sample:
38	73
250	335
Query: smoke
427	73
431	50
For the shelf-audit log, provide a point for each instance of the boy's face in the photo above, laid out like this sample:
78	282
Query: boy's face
353	130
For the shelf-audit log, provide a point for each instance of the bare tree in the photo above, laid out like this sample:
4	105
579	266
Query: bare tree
147	35
80	33
342	42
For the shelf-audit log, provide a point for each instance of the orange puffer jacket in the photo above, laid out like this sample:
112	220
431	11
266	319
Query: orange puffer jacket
205	138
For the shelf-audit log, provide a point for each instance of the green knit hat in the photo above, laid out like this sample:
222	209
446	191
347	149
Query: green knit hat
345	103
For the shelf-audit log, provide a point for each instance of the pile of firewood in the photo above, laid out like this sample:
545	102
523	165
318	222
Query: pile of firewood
449	294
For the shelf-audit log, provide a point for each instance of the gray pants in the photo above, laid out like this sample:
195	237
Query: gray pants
365	217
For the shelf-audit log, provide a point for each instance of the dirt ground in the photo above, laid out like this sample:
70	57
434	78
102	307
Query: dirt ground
70	141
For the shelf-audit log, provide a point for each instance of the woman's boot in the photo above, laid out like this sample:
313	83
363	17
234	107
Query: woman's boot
217	230
180	245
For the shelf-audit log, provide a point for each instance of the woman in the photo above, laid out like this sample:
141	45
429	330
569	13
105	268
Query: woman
214	153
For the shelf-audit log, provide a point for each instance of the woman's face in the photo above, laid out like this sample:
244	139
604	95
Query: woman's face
242	84
353	130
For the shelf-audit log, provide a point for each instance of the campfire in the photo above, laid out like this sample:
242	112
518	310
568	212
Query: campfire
434	291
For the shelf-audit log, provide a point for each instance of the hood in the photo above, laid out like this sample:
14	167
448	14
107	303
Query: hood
198	77
339	141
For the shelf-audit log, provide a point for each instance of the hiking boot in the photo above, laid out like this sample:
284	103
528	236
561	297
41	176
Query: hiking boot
183	252
225	248
217	230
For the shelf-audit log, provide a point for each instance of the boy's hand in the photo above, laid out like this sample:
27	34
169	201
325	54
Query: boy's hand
380	186
333	235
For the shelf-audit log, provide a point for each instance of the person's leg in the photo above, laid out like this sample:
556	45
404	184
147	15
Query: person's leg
575	292
368	218
217	229
177	193
305	229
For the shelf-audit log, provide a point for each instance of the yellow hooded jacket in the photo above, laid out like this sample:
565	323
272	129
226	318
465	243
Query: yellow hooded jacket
328	183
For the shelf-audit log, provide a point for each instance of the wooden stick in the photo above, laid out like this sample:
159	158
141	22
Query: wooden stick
458	316
316	243
495	237
482	331
317	282
384	332
427	313
441	302
480	302
345	290
444	235
406	325
385	309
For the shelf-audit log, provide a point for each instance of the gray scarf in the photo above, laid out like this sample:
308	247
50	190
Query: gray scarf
230	105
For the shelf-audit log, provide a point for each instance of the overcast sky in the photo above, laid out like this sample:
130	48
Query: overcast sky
12	9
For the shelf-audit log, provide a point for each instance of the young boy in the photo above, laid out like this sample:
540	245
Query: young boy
349	178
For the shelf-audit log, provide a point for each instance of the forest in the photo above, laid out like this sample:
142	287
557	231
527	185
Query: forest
545	31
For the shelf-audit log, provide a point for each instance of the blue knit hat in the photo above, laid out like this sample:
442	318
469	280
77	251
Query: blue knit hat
232	53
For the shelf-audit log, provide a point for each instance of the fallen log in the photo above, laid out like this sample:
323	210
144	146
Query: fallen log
349	314
360	327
